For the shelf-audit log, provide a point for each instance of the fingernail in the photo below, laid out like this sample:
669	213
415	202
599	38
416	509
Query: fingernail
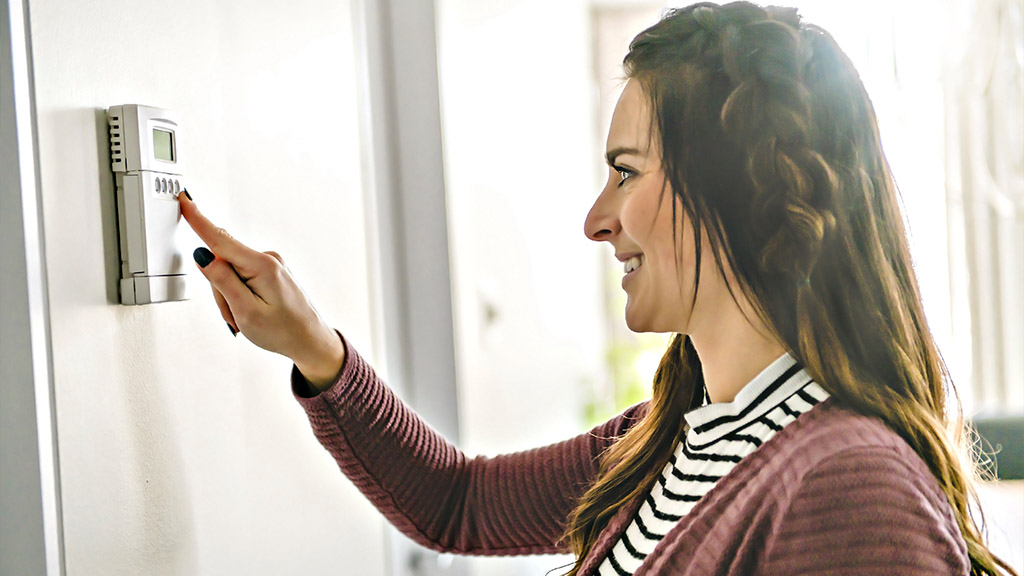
203	256
233	331
187	195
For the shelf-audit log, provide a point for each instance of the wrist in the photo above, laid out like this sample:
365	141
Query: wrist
321	367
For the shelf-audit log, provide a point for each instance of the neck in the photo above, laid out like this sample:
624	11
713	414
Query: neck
732	352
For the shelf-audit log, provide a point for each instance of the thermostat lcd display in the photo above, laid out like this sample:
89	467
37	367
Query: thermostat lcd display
163	145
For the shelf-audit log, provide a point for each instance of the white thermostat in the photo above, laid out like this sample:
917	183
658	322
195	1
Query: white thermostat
145	158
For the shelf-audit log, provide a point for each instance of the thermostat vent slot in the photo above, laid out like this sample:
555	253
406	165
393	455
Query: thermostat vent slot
116	148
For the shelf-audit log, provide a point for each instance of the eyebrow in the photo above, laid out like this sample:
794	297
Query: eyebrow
614	153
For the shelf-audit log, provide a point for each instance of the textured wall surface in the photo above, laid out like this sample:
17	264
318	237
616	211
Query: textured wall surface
181	449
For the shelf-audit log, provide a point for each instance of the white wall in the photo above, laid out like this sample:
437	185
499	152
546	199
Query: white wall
181	449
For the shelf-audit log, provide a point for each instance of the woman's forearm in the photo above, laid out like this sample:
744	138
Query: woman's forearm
509	504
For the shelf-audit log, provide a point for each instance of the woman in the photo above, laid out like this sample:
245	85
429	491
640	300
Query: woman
797	424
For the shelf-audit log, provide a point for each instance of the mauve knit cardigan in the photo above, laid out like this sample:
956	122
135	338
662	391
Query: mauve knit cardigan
833	493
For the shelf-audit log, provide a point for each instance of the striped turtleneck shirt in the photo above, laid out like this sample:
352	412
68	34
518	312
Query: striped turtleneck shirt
718	436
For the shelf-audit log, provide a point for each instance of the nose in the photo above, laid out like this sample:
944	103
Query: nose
603	220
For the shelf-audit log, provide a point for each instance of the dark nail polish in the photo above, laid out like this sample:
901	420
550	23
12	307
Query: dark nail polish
203	256
233	331
187	195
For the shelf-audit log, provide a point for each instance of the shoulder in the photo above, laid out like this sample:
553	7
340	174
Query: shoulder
830	433
856	491
841	448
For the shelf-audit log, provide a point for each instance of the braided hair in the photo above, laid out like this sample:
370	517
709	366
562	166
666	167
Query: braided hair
770	143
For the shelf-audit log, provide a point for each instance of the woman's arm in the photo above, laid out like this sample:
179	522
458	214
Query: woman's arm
510	504
514	504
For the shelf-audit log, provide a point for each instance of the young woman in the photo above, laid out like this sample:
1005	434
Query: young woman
798	420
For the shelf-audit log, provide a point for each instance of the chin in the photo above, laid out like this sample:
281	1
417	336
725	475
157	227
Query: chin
658	324
635	322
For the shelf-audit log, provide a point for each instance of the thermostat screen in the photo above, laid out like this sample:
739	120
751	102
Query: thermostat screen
163	145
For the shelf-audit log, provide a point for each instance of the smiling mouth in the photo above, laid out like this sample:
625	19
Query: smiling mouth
633	263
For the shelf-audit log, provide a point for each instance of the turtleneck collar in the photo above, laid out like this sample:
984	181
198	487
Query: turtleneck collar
781	379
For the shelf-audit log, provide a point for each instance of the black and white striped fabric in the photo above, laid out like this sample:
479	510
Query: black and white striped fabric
719	436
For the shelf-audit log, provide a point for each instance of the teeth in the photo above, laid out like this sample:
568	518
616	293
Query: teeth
633	263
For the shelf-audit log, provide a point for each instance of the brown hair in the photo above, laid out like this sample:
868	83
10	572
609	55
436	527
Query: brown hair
760	114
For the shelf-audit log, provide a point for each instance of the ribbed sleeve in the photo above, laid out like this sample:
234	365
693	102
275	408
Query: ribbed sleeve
510	504
867	511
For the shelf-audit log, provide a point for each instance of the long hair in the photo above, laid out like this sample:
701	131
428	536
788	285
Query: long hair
770	143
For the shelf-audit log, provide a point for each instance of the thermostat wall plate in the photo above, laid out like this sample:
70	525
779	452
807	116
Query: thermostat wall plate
146	161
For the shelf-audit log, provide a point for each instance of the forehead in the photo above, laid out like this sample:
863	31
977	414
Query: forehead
631	121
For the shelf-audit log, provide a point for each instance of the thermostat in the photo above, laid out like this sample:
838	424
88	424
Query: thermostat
146	160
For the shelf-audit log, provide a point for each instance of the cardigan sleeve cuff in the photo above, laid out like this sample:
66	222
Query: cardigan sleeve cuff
307	396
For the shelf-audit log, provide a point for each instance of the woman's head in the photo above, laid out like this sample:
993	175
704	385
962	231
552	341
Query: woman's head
766	145
724	112
638	214
769	144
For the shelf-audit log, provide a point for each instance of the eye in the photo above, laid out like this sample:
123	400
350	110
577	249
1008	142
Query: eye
624	174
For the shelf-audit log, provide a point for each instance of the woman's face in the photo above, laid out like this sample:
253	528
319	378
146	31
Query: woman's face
633	213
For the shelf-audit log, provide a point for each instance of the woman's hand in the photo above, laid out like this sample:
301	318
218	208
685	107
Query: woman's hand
258	297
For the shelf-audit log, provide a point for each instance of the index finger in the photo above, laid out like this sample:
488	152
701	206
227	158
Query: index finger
244	259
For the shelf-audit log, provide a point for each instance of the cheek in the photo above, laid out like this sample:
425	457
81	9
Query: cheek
645	223
633	218
674	241
647	218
